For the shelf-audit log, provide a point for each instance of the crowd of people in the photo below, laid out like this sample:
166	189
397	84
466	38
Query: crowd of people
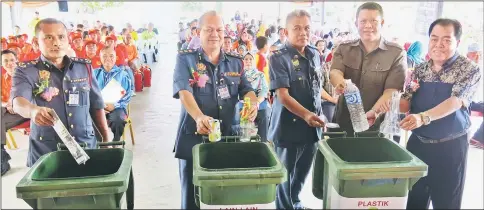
107	55
295	77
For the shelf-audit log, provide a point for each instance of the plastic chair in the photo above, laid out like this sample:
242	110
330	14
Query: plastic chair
129	123
11	143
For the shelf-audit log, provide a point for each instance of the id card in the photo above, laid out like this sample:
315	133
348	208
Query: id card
223	92
73	98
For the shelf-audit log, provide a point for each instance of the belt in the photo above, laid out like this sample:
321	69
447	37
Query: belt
448	138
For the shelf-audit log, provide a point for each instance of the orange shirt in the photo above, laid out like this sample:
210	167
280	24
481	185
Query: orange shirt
6	86
100	46
132	52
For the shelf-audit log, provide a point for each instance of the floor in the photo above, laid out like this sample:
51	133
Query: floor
155	116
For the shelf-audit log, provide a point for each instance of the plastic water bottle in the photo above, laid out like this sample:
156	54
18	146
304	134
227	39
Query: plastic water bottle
355	107
391	123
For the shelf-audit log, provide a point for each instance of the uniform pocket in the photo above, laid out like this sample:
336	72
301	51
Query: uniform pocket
233	85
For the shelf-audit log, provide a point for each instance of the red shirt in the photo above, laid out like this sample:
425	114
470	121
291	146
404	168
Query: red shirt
6	86
95	61
80	53
30	56
121	55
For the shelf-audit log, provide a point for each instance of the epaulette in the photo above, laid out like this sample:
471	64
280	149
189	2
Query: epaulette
27	64
80	60
350	41
279	51
186	51
235	55
393	44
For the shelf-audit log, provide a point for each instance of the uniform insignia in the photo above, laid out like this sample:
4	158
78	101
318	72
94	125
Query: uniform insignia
33	62
295	62
186	51
22	65
232	74
79	80
234	55
201	67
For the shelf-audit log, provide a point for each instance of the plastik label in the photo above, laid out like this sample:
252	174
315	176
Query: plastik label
340	202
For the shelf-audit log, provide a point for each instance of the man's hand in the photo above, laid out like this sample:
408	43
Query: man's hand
9	107
252	112
109	107
313	120
334	100
385	106
203	125
340	88
371	117
42	116
411	122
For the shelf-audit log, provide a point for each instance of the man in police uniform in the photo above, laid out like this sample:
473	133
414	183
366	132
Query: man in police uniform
375	66
296	78
57	83
203	101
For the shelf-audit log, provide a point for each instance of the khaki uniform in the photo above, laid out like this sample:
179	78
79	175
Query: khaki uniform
383	68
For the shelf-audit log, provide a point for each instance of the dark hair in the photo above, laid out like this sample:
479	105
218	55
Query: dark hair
250	32
124	30
193	28
261	42
103	28
446	22
273	29
370	6
80	26
4	52
279	30
48	21
321	40
326	36
110	28
17	26
267	33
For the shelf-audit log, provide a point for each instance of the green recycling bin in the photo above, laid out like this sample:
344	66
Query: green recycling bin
56	181
364	173
236	173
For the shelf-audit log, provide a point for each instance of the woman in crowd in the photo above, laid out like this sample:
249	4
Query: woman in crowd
259	84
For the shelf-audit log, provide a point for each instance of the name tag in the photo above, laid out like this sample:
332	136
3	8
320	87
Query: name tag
223	92
73	98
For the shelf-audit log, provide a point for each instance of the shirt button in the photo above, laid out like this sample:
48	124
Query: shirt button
65	78
294	120
72	126
233	83
67	102
40	138
300	78
65	91
220	107
70	114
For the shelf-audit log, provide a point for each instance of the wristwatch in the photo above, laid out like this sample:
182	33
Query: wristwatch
425	118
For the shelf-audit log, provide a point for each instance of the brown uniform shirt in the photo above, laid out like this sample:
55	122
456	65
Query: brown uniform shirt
383	68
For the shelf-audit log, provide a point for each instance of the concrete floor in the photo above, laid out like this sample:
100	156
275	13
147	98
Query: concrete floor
155	118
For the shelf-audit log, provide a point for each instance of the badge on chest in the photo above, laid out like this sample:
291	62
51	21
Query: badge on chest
73	97
223	91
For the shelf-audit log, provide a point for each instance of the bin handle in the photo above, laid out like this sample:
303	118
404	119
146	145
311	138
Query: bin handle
368	134
130	191
196	195
61	146
255	138
334	134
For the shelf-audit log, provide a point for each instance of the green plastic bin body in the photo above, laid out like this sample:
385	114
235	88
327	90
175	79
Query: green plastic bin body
364	173
56	181
236	173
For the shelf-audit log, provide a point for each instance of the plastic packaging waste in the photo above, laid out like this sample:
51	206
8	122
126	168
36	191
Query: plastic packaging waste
392	118
355	107
247	128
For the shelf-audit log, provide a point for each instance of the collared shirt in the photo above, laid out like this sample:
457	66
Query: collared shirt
372	72
458	70
194	43
6	86
119	74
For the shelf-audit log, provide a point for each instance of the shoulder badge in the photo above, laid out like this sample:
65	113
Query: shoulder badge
22	65
235	55
393	44
186	51
279	51
80	60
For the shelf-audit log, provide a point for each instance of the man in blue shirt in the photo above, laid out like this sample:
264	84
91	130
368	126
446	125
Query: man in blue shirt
295	127
115	112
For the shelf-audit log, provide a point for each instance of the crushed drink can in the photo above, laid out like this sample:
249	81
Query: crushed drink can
216	134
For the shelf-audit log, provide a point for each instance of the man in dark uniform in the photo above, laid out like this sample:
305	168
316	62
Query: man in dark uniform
57	82
375	66
296	78
439	100
202	100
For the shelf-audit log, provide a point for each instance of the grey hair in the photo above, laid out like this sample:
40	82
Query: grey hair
297	13
204	15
